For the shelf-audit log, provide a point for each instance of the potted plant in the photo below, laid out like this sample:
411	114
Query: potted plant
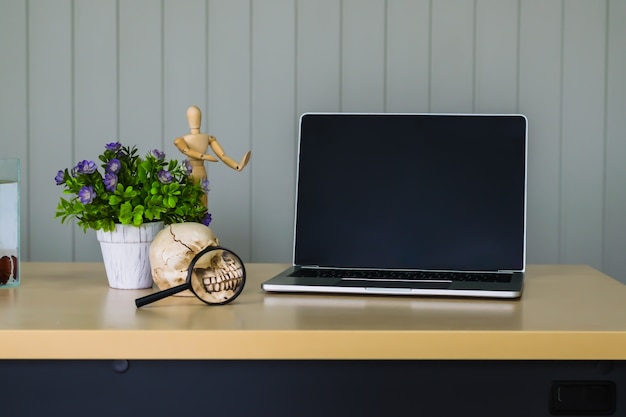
130	199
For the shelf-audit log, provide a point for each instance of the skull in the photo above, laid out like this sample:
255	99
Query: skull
172	250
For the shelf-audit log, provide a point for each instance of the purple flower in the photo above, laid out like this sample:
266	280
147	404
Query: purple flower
187	168
85	167
114	166
165	176
207	219
60	178
158	154
86	194
204	183
113	146
110	181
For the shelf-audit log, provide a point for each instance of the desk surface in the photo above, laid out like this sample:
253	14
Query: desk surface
67	311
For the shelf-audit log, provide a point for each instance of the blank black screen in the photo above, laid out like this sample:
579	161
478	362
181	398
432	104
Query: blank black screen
411	191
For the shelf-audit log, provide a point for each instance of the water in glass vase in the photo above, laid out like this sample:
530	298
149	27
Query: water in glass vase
9	233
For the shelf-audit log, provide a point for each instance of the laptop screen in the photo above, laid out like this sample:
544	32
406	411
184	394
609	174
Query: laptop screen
411	191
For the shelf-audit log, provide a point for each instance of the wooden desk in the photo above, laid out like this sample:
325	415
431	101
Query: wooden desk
569	318
67	311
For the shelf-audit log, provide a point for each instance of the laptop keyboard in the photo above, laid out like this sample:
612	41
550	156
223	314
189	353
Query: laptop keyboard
403	275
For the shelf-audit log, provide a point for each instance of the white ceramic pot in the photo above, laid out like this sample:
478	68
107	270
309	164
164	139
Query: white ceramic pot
126	254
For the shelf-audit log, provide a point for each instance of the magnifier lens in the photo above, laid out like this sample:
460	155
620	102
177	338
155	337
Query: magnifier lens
217	275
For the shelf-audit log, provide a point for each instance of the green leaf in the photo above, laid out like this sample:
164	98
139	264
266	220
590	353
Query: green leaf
142	170
171	201
138	215
126	213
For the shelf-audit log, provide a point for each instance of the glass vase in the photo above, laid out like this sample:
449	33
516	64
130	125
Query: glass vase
9	222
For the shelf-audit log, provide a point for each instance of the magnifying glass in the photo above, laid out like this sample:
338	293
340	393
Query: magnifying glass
216	276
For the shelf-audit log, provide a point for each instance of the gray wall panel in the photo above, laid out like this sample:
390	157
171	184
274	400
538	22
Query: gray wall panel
229	119
496	56
408	56
452	56
540	65
51	142
583	140
318	56
273	128
140	72
363	56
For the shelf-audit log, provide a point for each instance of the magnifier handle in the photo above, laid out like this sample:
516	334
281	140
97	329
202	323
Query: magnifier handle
139	302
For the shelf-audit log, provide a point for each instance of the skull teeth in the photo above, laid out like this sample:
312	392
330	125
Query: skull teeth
225	279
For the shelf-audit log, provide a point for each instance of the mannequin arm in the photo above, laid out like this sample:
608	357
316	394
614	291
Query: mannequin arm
185	149
219	151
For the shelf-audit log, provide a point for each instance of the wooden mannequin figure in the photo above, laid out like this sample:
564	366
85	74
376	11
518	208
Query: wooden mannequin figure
195	146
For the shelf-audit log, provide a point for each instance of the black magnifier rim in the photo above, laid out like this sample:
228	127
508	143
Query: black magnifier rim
199	255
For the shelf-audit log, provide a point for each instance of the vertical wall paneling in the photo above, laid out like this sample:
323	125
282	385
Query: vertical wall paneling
615	224
363	56
540	100
408	55
140	73
95	95
13	100
76	74
228	118
496	76
50	124
273	129
318	55
184	68
452	56
583	144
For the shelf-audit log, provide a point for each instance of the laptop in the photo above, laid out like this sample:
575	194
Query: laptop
409	204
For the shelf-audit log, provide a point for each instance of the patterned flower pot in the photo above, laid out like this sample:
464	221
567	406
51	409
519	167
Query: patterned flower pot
126	254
